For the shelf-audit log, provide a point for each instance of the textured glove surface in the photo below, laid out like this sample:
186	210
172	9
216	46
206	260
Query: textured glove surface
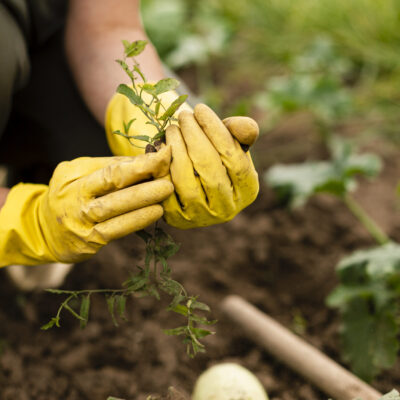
88	203
214	179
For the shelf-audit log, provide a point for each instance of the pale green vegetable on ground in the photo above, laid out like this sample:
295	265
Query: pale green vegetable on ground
228	381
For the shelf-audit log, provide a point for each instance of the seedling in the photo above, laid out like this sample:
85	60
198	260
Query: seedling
154	109
369	291
154	277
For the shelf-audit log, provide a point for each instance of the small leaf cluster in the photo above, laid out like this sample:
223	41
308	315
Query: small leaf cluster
159	247
156	113
367	298
151	279
295	183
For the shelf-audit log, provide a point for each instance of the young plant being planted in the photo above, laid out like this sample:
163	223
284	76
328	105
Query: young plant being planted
154	277
369	291
154	110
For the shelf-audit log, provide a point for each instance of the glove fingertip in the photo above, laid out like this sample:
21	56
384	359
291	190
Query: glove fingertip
244	129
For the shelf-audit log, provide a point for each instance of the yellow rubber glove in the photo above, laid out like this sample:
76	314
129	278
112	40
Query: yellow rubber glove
227	181
214	178
88	203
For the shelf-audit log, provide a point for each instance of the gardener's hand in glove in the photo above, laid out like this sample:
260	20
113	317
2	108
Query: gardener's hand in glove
214	177
88	203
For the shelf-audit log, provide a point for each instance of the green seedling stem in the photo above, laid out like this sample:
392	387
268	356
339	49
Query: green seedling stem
369	224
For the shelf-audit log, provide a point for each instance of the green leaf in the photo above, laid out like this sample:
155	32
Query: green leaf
202	320
113	398
125	67
177	299
149	88
171	287
111	308
137	282
296	183
144	138
369	338
152	290
182	330
376	263
130	94
84	311
121	306
157	109
159	135
133	49
165	85
138	71
170	250
180	309
145	236
73	312
128	125
173	107
342	295
119	133
368	165
200	306
200	333
53	322
392	395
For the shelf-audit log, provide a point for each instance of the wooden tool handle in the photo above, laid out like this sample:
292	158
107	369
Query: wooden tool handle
303	358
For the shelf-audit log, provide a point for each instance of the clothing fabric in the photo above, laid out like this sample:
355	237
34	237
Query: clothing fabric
43	120
37	19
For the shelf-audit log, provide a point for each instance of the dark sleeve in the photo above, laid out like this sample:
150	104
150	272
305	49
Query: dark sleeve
14	61
25	25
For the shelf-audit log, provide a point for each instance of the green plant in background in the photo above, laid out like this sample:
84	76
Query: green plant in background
236	44
154	277
315	85
199	31
368	293
369	290
200	34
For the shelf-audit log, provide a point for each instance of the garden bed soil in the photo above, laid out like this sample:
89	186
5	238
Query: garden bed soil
282	262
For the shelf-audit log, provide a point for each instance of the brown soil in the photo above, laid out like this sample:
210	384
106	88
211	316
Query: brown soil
283	262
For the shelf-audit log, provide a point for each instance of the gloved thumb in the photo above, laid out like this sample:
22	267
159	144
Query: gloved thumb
244	129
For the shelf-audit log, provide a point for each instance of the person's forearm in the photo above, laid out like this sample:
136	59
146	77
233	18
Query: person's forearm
94	32
3	196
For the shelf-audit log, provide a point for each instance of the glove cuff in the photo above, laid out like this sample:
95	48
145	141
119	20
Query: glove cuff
21	237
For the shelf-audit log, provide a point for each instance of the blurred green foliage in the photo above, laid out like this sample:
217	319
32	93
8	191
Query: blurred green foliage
186	32
342	53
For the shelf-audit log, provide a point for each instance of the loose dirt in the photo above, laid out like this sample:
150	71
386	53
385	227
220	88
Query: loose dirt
281	261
